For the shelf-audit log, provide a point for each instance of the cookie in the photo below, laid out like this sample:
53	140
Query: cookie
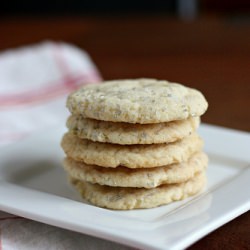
129	133
131	156
137	101
132	198
143	177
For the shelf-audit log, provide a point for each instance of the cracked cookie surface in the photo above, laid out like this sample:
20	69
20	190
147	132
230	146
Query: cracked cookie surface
121	198
137	101
131	156
143	177
129	133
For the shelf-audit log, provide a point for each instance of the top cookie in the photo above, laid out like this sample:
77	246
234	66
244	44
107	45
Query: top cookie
137	101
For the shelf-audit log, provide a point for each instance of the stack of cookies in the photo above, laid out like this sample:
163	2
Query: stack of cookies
133	143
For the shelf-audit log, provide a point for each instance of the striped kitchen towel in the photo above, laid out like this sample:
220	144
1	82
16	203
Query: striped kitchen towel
34	83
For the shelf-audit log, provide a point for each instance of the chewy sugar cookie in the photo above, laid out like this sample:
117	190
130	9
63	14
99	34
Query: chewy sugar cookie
129	133
137	101
134	198
134	144
143	177
131	156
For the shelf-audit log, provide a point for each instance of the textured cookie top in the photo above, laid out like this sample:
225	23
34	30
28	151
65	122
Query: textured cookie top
140	177
131	156
132	198
129	133
137	101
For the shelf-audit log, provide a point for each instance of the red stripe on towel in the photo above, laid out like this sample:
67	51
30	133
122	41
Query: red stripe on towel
52	90
68	82
63	65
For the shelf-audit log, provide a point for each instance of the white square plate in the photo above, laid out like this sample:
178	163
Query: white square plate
33	185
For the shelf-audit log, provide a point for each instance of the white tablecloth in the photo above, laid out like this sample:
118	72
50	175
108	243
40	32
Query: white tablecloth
34	83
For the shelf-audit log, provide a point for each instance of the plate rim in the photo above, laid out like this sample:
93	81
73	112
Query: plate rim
241	205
